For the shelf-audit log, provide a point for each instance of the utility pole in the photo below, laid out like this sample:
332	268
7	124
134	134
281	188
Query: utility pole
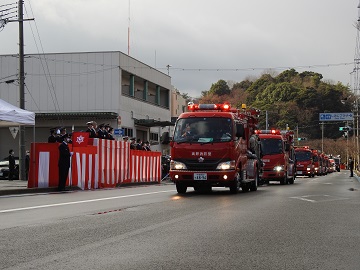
322	137
22	150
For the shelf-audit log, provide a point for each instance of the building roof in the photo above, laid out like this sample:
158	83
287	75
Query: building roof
76	115
152	123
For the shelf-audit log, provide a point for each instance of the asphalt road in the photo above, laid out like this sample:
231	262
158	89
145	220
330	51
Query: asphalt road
313	224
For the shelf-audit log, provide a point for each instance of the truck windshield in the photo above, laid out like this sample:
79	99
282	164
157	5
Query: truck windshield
272	146
203	130
302	156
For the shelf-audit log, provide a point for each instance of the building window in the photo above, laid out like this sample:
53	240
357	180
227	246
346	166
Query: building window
154	136
128	132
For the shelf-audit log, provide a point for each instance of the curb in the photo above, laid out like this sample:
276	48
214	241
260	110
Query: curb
32	190
17	191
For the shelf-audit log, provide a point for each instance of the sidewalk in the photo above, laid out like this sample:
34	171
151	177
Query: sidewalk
20	187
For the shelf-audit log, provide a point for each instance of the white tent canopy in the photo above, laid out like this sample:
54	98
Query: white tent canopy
11	115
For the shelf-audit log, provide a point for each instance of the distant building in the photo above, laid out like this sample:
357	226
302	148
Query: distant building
70	89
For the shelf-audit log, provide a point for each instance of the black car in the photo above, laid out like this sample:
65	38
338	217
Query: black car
4	168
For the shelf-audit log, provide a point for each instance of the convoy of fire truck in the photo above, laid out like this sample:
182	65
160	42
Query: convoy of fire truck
216	145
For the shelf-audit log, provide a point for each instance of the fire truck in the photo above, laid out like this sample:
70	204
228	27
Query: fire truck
317	162
277	156
304	161
211	148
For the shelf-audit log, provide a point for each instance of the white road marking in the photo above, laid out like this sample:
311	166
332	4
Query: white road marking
319	198
78	202
303	199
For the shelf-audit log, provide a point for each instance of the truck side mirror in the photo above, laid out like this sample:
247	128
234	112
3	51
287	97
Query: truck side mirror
240	131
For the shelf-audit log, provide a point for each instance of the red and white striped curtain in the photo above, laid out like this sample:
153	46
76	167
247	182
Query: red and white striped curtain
101	164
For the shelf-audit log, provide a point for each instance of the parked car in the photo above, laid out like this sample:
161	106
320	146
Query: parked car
4	168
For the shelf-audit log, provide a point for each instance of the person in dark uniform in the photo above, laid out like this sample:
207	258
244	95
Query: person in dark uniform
27	164
139	145
110	132
52	138
63	135
102	134
91	129
64	163
351	166
11	165
132	144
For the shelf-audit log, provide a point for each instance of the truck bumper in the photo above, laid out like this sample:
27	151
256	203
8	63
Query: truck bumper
305	173
195	178
272	175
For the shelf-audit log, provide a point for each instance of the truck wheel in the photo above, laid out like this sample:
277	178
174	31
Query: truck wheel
235	187
181	188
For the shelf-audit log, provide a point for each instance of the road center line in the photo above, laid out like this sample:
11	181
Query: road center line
78	202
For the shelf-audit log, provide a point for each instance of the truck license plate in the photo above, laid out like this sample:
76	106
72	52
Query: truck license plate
299	172
200	176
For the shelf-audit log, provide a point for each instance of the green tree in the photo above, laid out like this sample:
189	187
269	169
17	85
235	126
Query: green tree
220	88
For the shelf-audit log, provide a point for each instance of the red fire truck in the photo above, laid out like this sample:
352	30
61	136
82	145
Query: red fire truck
277	155
317	162
211	148
304	161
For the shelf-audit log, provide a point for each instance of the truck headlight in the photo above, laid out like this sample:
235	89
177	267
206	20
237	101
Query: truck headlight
176	165
278	168
228	165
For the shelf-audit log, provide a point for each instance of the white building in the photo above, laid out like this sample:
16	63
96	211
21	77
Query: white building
70	89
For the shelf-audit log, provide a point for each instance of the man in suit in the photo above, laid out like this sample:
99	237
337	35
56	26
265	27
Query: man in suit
64	162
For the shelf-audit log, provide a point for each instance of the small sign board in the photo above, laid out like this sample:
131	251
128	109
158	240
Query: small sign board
344	116
118	132
14	131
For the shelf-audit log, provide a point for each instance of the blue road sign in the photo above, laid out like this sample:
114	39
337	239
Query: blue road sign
345	116
118	132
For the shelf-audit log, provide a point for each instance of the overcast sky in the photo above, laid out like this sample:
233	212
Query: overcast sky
202	40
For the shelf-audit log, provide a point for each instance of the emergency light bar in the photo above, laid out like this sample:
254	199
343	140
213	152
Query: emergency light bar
271	131
204	107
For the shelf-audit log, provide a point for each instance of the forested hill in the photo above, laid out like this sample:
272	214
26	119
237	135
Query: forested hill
290	98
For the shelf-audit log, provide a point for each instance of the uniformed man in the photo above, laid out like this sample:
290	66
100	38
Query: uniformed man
64	162
63	135
91	129
53	136
102	134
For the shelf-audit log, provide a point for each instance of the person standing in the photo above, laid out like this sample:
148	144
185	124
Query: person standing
11	165
64	163
27	164
91	129
351	166
52	138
